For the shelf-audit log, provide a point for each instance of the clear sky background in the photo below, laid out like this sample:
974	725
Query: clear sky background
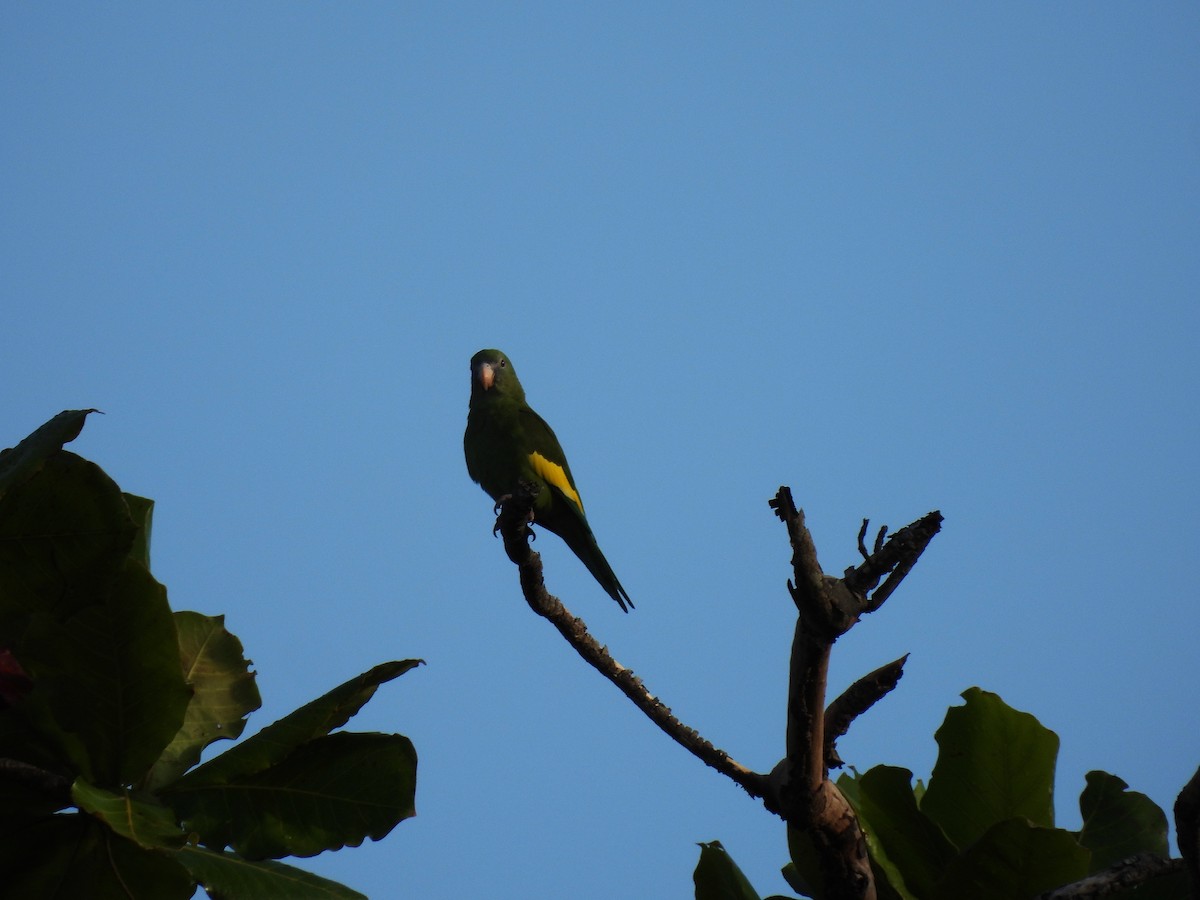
897	256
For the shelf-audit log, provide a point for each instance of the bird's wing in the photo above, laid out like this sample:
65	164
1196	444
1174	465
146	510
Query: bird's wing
546	456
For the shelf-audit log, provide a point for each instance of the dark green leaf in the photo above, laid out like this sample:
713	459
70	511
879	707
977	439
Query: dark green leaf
141	509
889	882
911	842
333	791
145	823
226	876
67	857
223	693
803	873
1119	823
64	534
1014	859
22	462
994	763
277	740
718	877
110	676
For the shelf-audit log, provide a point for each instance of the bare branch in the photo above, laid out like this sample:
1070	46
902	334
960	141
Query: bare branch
798	789
897	556
53	786
512	525
1122	876
856	700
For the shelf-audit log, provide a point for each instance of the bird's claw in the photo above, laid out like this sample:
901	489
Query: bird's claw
498	509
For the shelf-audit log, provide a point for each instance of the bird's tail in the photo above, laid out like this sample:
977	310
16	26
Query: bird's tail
583	544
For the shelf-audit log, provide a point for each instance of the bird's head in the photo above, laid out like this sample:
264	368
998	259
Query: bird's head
492	374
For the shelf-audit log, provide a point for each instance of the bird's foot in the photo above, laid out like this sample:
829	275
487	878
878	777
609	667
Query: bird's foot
498	509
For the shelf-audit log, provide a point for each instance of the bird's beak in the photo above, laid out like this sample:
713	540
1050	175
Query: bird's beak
485	375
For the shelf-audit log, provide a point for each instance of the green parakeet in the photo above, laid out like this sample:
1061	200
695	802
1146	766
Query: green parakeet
507	442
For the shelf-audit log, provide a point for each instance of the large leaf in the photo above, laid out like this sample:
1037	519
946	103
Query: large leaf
223	693
226	876
889	881
110	677
145	823
913	843
333	791
994	763
67	857
803	873
22	462
718	877
141	510
1014	859
277	740
64	534
1119	823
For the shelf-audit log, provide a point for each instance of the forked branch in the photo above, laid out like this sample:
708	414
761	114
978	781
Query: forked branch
798	789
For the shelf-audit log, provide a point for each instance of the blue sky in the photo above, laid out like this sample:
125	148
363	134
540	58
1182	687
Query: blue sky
899	257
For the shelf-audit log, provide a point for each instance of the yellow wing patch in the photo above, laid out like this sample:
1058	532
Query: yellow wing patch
554	474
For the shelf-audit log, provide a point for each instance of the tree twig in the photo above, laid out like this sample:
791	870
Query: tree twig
856	700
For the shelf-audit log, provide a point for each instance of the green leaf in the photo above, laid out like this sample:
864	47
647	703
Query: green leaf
1014	859
889	882
718	877
277	740
913	845
110	677
64	534
330	792
1119	823
22	462
226	876
145	823
803	873
141	509
223	693
66	857
994	763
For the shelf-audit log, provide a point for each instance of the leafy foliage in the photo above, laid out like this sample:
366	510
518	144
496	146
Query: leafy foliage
108	700
984	827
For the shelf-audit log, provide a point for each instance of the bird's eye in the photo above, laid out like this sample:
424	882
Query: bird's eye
503	363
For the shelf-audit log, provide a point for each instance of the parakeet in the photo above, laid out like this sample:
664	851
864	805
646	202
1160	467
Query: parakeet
507	442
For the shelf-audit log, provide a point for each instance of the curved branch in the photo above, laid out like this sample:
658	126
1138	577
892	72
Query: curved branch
513	527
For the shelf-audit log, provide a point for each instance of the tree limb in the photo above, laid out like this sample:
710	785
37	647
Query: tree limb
1122	876
829	607
53	786
798	789
513	527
